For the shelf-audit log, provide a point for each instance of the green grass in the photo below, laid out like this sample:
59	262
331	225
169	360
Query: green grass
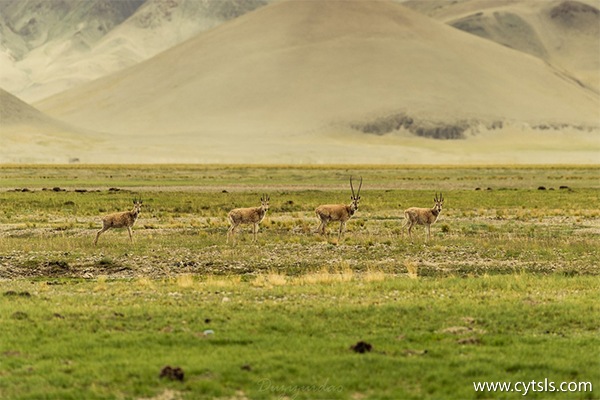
243	176
502	230
431	337
506	290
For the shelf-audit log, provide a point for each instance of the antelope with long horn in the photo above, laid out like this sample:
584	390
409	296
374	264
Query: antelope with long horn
252	215
423	216
338	212
124	219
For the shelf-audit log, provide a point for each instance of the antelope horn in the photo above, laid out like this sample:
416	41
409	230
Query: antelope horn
352	187
359	186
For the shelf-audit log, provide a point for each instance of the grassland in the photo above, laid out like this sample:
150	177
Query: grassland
506	290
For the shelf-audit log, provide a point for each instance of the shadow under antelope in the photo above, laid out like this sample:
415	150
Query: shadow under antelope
251	215
338	212
423	216
124	219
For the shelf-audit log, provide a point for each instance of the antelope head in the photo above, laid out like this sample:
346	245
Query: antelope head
355	197
264	202
438	203
137	205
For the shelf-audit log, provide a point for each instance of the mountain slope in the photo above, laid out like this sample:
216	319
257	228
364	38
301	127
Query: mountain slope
47	46
14	111
299	66
28	135
41	39
158	25
565	33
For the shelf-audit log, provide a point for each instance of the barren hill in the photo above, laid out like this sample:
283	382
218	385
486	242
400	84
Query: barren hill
301	65
47	46
565	33
41	41
14	111
28	135
339	81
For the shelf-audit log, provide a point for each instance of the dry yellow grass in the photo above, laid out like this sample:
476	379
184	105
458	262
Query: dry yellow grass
412	268
341	273
185	281
270	279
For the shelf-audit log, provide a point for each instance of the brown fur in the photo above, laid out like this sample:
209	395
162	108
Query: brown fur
124	219
335	212
423	216
338	212
251	215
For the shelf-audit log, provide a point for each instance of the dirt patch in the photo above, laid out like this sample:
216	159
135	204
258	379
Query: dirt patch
19	315
414	352
568	12
362	347
172	373
12	293
457	330
165	395
469	341
423	128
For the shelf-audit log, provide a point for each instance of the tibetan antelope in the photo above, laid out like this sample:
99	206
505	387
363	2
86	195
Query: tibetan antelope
423	216
252	215
338	212
124	219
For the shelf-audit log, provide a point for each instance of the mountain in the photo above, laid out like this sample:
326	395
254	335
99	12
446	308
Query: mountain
28	135
47	46
42	38
297	66
158	25
15	111
38	22
337	82
564	33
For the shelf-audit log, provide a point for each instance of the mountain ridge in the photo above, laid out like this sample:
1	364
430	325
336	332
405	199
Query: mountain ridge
285	62
564	33
48	46
340	81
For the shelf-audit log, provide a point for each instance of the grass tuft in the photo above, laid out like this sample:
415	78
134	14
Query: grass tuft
412	268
